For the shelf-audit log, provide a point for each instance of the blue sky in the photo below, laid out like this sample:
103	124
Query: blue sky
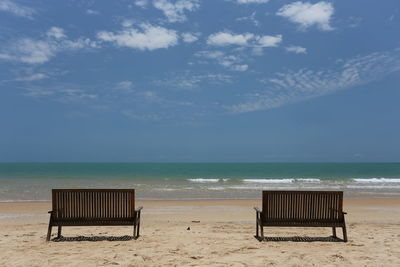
199	80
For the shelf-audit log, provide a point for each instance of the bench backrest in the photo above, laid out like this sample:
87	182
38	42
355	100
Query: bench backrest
303	206
101	204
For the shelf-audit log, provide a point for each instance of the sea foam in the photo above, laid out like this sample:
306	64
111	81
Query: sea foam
204	180
282	181
377	180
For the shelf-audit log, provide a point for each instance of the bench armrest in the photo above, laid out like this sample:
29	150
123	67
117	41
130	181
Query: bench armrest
257	210
339	211
139	209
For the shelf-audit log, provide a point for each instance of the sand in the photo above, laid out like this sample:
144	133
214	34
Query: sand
223	237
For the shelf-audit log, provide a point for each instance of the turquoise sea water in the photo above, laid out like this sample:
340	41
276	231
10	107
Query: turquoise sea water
33	181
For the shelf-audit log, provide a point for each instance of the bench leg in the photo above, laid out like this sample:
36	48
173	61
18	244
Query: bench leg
138	229
344	233
49	233
59	232
136	226
256	227
334	232
262	232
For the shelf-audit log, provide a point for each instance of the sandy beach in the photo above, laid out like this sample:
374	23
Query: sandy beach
221	234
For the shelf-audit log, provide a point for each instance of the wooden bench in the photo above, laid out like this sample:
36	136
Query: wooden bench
93	207
301	209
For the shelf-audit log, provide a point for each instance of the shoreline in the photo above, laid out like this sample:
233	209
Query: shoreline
347	194
185	205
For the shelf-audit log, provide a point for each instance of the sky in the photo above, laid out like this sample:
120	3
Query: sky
199	81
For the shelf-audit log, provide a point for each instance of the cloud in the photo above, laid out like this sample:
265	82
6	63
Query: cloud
245	39
141	3
76	94
232	62
151	96
32	51
251	18
210	54
190	37
306	14
187	80
141	116
126	86
242	67
227	38
127	23
296	49
34	92
148	37
251	1
268	40
16	9
56	32
175	12
92	12
33	77
58	94
295	86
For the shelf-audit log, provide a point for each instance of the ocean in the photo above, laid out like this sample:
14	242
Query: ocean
34	181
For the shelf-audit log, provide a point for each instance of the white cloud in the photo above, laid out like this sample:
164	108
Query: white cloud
75	94
126	86
245	39
92	12
175	12
56	32
140	116
296	49
141	3
232	62
148	37
33	77
243	67
33	51
227	38
128	23
34	92
306	14
80	43
294	86
16	9
251	18
188	80
151	96
269	41
6	56
190	37
210	54
60	94
251	1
